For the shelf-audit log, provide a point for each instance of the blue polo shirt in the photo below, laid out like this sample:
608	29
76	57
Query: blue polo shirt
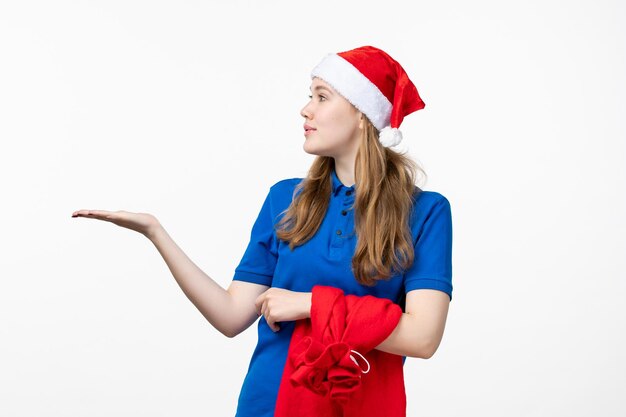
326	260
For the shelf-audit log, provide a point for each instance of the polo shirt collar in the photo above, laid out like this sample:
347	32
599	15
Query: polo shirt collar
338	185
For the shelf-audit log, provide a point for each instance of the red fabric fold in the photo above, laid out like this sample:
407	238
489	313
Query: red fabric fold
325	375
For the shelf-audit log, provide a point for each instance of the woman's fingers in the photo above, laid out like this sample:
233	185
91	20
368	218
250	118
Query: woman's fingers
94	214
265	314
270	321
140	222
274	326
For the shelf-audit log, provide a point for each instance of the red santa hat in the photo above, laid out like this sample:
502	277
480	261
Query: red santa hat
374	83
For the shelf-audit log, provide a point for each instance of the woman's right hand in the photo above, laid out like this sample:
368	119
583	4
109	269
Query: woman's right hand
143	223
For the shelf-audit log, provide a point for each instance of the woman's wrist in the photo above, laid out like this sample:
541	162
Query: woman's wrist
154	230
308	298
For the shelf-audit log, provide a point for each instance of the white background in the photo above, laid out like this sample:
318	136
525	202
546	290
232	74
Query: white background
190	111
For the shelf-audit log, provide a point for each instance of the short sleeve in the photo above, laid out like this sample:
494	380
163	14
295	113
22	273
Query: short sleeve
259	260
432	267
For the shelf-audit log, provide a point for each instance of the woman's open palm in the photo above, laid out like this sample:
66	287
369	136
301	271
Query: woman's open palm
139	222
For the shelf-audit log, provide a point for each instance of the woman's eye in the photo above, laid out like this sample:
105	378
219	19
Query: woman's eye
320	97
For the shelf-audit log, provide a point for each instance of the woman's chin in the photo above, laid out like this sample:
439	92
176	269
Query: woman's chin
309	149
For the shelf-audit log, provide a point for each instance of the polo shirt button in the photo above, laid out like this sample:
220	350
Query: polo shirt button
348	192
338	232
343	212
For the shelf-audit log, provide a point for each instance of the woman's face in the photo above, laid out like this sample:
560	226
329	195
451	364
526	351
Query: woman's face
336	121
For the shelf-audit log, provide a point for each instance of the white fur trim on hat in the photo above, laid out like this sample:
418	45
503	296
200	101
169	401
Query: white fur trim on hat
356	88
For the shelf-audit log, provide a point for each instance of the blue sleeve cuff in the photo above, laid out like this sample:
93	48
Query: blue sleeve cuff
253	277
429	284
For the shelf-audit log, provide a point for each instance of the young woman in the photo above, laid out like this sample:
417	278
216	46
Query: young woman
357	222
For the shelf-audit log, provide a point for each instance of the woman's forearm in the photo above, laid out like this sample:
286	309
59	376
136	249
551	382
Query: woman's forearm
409	338
213	301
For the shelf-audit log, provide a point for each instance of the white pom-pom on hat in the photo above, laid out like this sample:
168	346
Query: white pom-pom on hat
390	136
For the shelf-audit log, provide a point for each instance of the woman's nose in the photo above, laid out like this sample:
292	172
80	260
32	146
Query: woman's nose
305	112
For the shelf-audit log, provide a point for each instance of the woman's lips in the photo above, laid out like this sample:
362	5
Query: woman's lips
308	129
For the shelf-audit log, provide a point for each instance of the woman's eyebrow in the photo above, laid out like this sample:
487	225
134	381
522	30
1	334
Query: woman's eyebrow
320	87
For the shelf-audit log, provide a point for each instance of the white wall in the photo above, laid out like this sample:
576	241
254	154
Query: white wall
189	110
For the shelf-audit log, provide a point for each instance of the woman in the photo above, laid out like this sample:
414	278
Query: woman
357	222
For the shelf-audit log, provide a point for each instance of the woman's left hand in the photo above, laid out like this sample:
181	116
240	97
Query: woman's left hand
279	304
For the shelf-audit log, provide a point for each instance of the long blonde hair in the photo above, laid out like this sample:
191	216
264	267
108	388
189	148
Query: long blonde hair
385	192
